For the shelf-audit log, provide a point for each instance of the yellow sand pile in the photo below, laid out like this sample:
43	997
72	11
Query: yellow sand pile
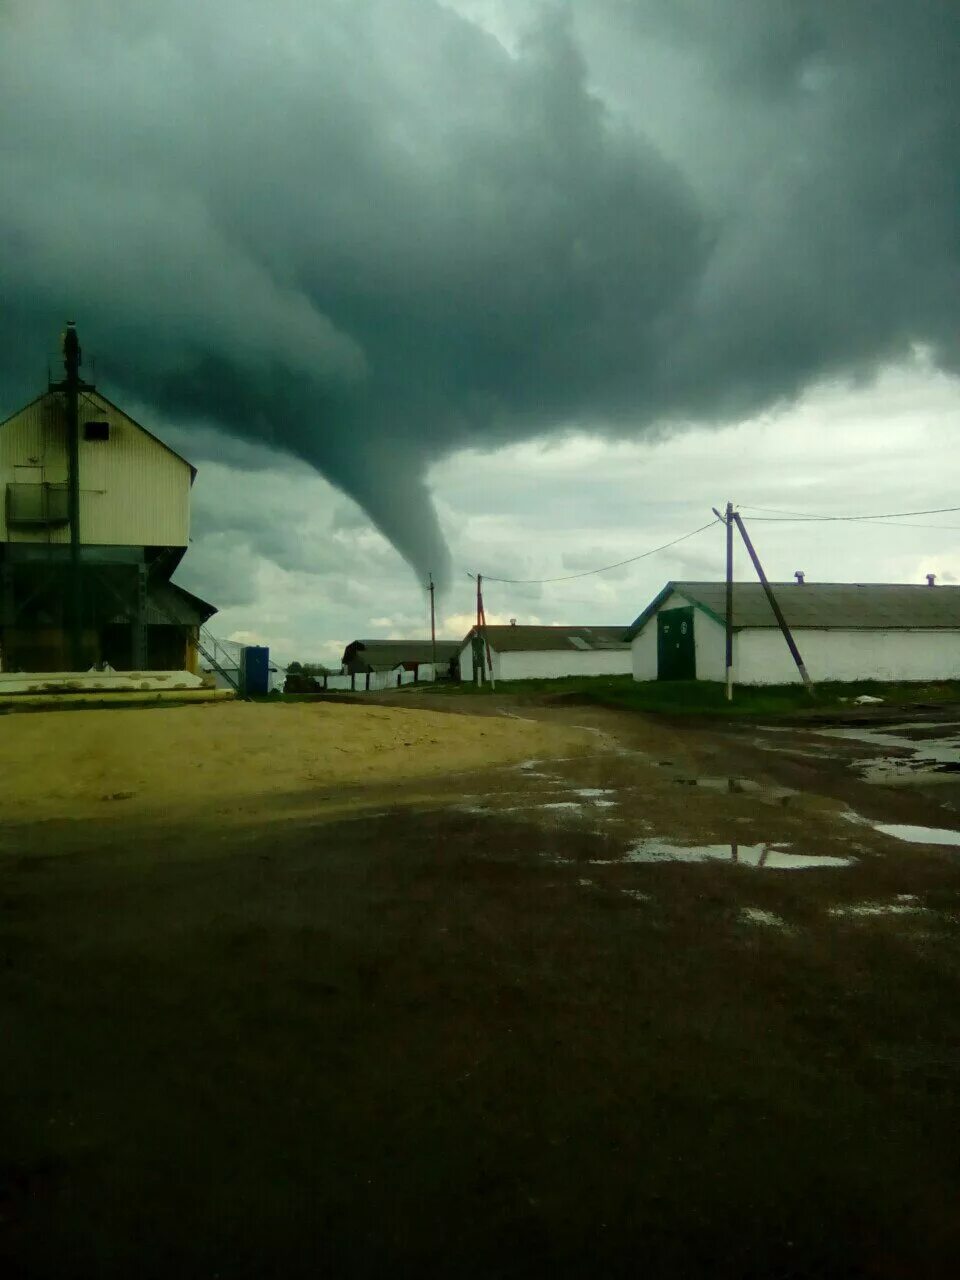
218	756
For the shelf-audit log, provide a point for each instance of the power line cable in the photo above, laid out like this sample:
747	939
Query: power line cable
586	573
880	515
872	520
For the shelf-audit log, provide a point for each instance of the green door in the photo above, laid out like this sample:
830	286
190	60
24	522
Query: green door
676	654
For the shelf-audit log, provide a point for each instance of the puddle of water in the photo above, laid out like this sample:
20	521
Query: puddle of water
637	895
754	915
876	909
590	793
922	750
512	715
773	857
905	831
734	786
917	835
791	750
560	804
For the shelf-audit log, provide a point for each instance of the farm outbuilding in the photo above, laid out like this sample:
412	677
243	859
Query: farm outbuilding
546	653
844	631
383	663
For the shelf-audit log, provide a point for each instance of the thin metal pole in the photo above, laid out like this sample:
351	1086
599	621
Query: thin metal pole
729	638
478	647
433	630
774	605
71	363
486	641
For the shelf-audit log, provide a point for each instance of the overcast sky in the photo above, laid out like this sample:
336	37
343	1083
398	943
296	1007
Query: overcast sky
520	287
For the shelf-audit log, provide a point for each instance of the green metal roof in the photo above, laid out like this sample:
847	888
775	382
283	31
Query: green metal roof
385	655
846	606
511	639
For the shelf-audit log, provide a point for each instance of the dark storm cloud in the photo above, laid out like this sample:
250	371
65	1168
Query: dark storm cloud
366	234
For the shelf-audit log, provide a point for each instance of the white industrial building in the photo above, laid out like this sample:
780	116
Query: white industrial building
94	520
844	631
546	653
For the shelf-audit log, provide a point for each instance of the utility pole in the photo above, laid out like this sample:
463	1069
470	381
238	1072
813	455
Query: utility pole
71	387
727	519
433	630
729	636
482	649
774	605
478	641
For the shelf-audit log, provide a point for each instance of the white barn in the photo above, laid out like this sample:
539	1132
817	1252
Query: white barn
548	653
844	631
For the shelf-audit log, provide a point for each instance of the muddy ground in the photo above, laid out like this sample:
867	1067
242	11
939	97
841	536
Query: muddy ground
675	1007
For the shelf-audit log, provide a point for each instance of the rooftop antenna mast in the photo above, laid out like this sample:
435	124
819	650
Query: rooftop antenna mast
71	387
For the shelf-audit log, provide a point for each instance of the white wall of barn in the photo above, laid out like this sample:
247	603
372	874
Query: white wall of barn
466	663
550	664
761	656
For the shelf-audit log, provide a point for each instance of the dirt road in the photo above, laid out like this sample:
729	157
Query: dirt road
176	759
669	1007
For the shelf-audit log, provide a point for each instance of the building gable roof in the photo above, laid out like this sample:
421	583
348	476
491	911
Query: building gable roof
533	639
147	432
92	394
831	606
167	603
385	655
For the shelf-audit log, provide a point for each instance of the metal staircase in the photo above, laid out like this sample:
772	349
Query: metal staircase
220	658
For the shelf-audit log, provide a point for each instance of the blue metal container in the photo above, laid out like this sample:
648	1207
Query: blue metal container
255	670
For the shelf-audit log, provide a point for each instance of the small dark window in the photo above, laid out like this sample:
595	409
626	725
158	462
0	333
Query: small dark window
96	431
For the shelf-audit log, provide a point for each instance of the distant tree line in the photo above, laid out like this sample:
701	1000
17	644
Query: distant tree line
307	677
311	669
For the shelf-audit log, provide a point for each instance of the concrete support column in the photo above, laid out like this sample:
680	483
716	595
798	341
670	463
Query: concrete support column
139	626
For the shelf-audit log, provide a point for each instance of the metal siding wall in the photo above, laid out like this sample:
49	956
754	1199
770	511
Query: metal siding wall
133	491
39	431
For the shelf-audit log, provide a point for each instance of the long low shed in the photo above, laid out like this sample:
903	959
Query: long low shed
547	653
421	659
844	631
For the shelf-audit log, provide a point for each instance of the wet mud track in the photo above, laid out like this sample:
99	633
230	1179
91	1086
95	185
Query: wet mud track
664	1009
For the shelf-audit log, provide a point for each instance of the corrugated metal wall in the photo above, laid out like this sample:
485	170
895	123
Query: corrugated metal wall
133	491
